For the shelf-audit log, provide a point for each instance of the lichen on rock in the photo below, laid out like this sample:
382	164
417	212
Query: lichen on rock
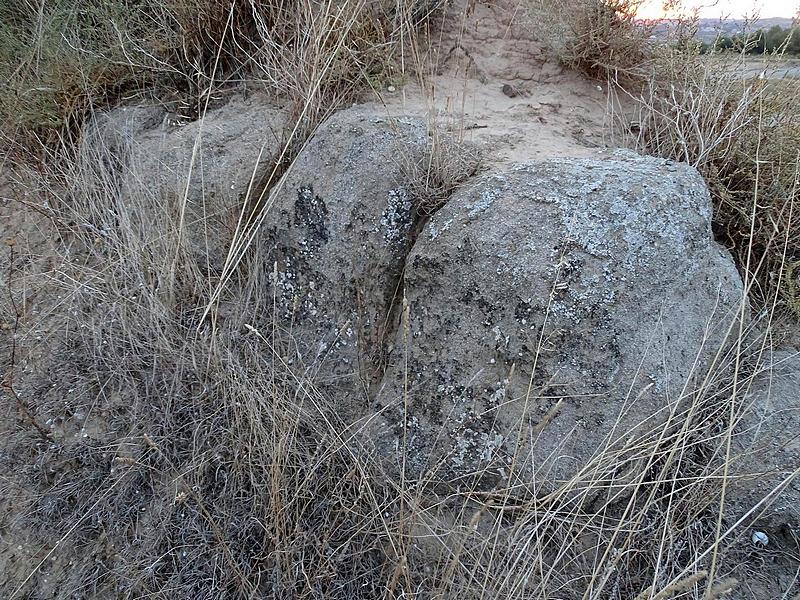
585	286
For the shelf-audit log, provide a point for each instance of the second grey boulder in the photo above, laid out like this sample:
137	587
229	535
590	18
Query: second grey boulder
552	310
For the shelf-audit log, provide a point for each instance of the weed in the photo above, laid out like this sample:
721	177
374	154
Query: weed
599	38
433	178
742	135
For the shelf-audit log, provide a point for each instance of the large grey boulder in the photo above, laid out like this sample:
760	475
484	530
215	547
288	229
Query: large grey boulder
335	231
334	243
212	158
551	309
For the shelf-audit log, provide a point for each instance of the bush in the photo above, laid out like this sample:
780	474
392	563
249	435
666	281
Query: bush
743	135
56	61
599	38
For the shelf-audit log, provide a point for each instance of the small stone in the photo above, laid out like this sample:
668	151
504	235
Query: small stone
760	538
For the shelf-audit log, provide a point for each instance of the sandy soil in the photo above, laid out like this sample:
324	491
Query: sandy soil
494	85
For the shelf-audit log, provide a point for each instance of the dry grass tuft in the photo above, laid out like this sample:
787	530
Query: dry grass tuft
433	178
599	38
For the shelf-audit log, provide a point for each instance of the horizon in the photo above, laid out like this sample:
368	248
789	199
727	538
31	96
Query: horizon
723	9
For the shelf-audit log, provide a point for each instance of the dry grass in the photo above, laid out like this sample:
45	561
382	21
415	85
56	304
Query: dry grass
213	468
433	178
599	38
743	135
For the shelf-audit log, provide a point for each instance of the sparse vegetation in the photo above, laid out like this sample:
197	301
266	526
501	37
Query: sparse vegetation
215	469
61	59
743	135
599	38
445	164
180	453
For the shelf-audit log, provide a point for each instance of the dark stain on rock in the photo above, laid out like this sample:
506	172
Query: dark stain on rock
311	213
523	312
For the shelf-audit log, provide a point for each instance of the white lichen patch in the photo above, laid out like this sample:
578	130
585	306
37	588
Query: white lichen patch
497	397
291	295
486	199
396	219
434	229
636	227
472	446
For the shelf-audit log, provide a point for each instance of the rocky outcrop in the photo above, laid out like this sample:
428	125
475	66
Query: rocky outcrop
540	316
335	231
550	310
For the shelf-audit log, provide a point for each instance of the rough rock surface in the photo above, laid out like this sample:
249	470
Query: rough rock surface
226	145
768	446
549	307
216	156
335	234
335	242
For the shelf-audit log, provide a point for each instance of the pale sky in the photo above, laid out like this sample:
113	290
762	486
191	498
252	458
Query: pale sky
734	9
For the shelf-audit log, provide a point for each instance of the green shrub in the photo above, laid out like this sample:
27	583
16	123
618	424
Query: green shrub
61	59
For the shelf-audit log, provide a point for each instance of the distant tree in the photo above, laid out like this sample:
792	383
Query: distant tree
724	42
776	38
754	43
793	47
